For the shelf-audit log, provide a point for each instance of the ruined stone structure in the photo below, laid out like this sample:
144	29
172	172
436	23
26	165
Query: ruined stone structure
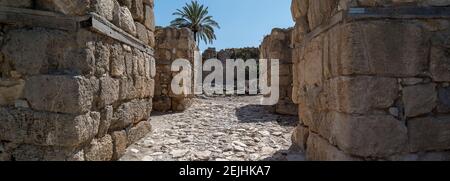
245	54
171	44
277	45
372	79
76	79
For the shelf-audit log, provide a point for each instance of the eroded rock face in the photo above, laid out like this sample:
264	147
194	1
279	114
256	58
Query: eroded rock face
372	89
172	44
277	45
75	95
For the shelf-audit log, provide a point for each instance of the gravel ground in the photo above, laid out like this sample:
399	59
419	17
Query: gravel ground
218	129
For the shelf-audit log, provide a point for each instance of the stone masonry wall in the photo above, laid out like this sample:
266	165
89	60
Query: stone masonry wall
223	55
171	44
372	88
277	45
74	95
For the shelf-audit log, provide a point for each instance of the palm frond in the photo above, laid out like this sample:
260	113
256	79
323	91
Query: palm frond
195	17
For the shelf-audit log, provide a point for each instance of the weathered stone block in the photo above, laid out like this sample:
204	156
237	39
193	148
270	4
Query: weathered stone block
419	99
149	20
429	133
10	91
402	56
131	112
120	142
102	58
142	32
319	149
440	58
61	94
422	156
68	7
369	135
124	19
28	49
137	10
139	131
300	138
46	129
41	153
372	93
104	8
109	91
17	3
99	149
117	61
444	100
105	121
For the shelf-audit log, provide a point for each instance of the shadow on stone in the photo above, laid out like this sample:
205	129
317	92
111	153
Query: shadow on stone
260	113
286	155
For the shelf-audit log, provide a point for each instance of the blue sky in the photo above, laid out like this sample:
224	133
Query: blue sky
243	22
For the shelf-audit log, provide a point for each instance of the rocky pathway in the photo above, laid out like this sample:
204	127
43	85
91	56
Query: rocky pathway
218	129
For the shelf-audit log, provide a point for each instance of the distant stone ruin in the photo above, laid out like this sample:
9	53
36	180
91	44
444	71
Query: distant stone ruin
277	45
372	79
76	78
223	55
171	44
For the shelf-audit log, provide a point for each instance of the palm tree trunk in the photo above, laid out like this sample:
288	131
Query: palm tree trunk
196	38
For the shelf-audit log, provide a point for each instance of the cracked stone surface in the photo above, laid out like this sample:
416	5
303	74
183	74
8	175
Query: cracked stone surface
218	129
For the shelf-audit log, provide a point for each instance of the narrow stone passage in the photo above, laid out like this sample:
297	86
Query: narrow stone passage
218	128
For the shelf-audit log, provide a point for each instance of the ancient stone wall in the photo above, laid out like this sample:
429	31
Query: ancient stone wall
76	78
223	55
171	44
277	45
372	83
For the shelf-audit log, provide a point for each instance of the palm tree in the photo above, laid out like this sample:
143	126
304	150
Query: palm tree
195	17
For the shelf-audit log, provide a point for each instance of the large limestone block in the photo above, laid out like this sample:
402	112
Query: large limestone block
106	116
440	57
10	91
68	7
28	49
124	19
142	33
104	8
47	129
61	94
318	149
41	51
109	91
120	142
444	100
300	138
130	113
100	149
117	61
17	3
422	156
320	11
44	153
311	64
384	48
149	18
361	94
139	131
137	10
419	99
429	133
369	135
102	53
